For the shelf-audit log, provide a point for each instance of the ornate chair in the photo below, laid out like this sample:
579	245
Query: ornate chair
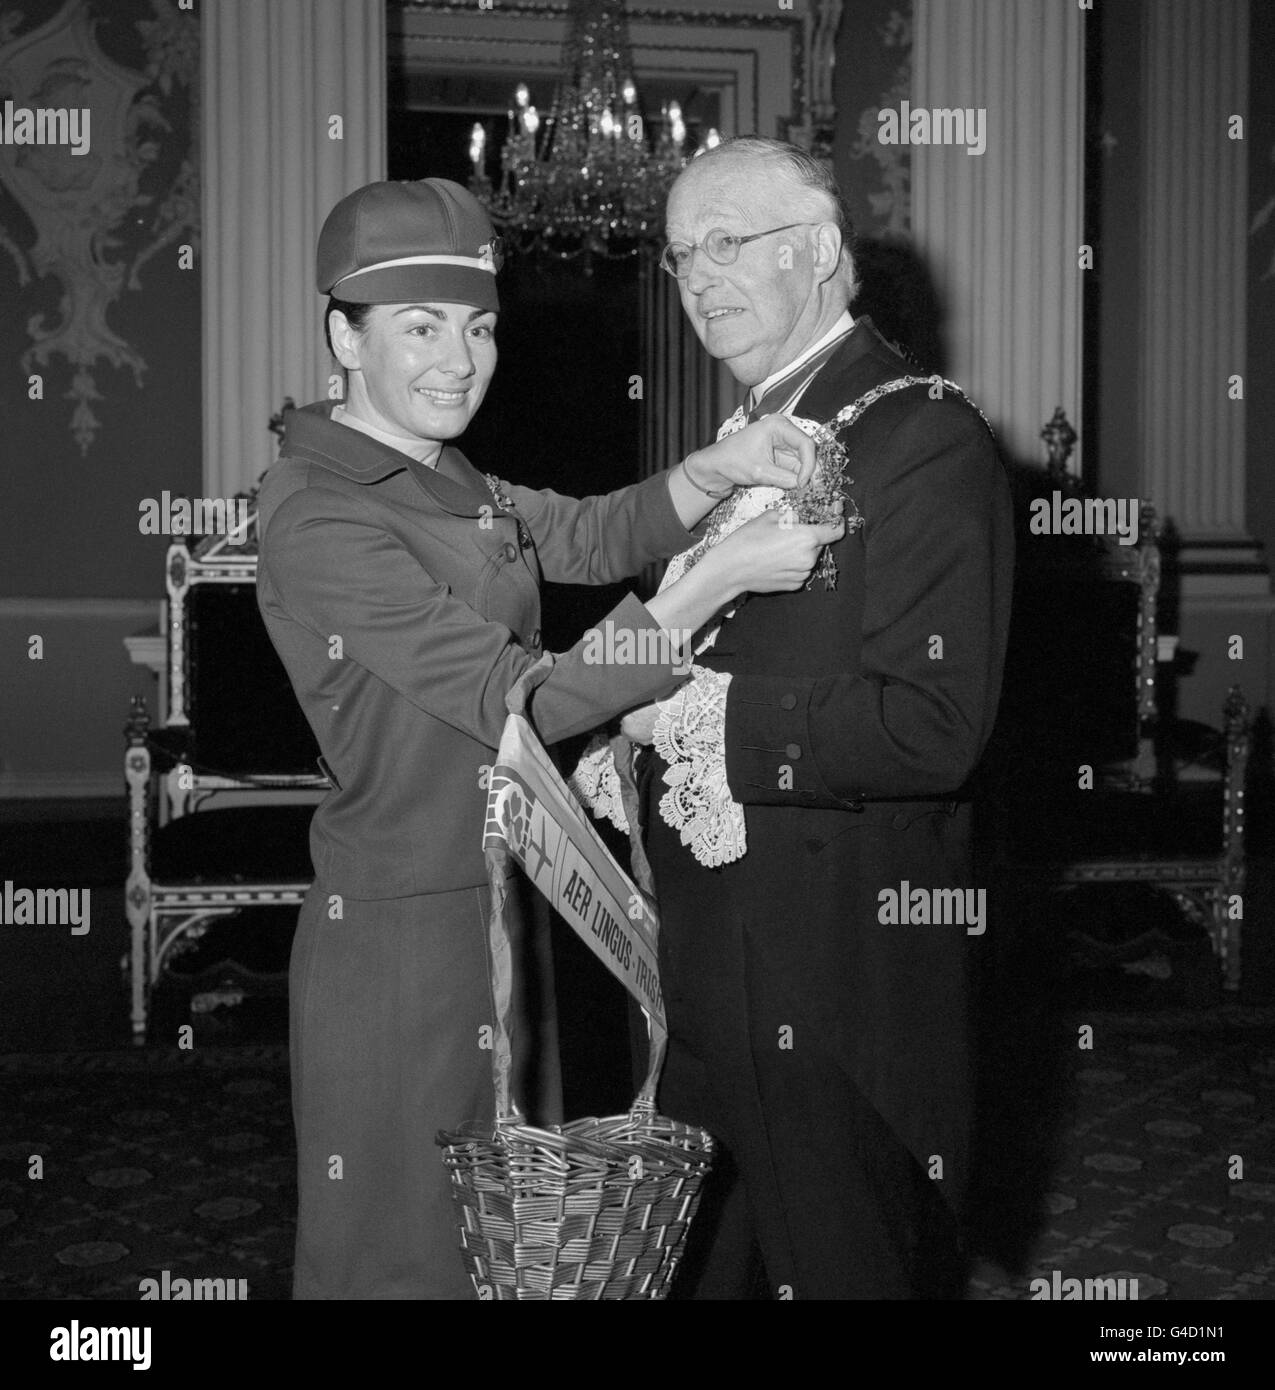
1107	800
221	793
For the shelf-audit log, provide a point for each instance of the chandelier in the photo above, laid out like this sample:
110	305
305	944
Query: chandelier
584	179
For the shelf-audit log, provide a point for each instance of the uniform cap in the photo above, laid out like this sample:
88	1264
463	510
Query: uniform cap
401	242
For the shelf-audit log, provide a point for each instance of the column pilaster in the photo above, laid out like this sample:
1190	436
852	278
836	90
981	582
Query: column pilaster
294	98
1002	230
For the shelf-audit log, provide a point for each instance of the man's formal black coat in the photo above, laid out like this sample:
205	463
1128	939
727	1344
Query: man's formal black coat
855	717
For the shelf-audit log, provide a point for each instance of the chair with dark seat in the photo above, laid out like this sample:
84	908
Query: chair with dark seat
1092	778
222	793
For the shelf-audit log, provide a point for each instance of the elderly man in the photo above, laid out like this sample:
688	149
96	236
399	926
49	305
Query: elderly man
806	804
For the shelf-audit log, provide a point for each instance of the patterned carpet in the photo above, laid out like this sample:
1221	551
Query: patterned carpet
160	1161
1156	1115
153	1161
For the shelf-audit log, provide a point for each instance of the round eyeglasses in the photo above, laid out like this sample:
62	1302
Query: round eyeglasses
721	247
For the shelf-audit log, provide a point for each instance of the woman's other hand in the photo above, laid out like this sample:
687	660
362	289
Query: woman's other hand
771	554
639	724
772	452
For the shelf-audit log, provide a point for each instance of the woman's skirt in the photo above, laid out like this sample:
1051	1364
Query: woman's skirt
390	1014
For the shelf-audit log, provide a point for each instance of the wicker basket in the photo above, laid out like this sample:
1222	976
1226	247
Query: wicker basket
569	1214
594	1209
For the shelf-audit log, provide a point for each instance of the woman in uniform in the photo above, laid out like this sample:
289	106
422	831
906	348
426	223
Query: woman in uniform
400	588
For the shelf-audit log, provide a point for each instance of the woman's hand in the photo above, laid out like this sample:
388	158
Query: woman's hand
638	726
772	452
771	554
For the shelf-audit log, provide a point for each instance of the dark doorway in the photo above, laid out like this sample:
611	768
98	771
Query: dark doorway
558	414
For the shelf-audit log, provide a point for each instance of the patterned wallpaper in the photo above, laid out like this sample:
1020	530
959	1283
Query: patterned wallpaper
874	69
100	278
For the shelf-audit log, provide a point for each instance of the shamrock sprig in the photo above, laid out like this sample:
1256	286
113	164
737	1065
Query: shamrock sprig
815	502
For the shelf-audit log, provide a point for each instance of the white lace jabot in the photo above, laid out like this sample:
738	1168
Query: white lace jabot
690	726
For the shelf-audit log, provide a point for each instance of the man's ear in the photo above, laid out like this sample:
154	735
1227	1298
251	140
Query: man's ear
344	340
827	250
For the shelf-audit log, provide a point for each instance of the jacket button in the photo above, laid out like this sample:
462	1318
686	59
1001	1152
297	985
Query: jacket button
793	750
511	551
898	820
788	702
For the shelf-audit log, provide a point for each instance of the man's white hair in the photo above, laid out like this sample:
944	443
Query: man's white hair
814	186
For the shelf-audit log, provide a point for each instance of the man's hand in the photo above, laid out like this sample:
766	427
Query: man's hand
772	452
639	724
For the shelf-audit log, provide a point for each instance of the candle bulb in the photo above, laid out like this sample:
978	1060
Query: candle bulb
629	92
531	120
522	96
477	139
677	125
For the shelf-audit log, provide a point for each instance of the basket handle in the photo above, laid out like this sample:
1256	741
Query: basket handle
499	860
500	949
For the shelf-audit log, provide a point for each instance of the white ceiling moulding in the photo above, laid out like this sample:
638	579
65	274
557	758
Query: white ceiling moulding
772	72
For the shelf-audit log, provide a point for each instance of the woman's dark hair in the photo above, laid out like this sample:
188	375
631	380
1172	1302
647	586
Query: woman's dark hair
356	314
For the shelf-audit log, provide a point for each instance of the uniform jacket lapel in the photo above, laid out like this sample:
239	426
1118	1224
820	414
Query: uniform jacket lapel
455	485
